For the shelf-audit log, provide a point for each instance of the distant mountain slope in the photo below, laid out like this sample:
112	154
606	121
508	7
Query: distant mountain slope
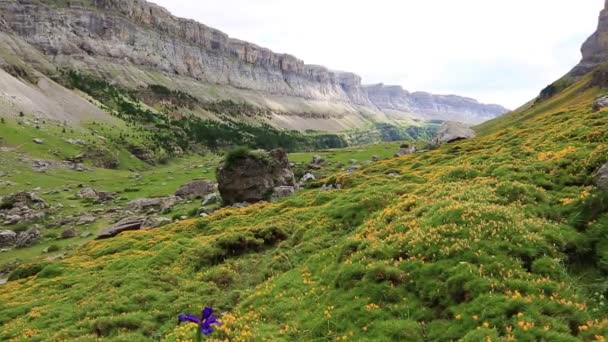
137	43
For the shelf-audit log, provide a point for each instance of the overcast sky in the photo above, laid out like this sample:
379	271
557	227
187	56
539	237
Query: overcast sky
497	51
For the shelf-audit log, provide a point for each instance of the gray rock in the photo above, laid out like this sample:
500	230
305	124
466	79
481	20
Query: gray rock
28	238
196	189
601	179
375	158
12	219
38	141
85	220
7	238
282	192
69	233
155	222
405	151
600	103
353	168
451	132
317	160
353	161
211	199
153	204
308	177
253	178
133	223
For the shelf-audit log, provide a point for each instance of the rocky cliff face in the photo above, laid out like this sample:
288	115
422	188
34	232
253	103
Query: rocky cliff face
595	49
116	36
396	100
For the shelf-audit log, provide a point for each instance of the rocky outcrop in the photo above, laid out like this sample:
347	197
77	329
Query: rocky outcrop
595	49
255	177
395	100
7	238
28	238
95	195
196	189
153	204
452	131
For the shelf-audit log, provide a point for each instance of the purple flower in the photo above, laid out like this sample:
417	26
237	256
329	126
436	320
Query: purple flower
204	322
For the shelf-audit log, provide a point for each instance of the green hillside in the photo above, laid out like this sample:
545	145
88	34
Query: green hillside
498	238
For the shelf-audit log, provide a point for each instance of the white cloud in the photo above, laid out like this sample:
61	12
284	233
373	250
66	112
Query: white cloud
494	50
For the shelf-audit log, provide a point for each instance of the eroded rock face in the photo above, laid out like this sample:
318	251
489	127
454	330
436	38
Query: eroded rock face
252	179
452	131
595	49
196	189
398	101
601	179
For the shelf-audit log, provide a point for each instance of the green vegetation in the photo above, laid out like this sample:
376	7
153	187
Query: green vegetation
497	238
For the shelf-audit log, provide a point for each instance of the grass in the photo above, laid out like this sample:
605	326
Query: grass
497	238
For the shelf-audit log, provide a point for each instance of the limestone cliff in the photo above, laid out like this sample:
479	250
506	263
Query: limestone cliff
397	102
136	43
595	49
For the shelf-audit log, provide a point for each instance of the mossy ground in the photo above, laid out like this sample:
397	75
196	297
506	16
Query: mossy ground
497	238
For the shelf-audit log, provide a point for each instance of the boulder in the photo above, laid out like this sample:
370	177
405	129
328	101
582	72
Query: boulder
211	199
133	223
601	179
308	177
600	103
405	150
28	238
282	192
152	204
69	233
195	189
85	220
317	160
7	238
452	131
253	176
38	141
23	199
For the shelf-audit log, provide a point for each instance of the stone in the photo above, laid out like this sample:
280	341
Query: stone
86	235
86	220
69	233
353	168
211	199
282	192
38	141
308	177
7	238
12	219
153	204
195	189
452	131
133	223
375	158
253	178
95	195
28	238
601	179
405	150
23	199
600	103
317	160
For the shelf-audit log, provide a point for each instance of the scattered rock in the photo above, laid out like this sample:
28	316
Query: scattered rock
317	160
7	238
211	199
95	195
253	178
69	233
152	204
28	238
405	150
308	177
452	131
38	141
41	165
375	158
601	179
196	189
282	192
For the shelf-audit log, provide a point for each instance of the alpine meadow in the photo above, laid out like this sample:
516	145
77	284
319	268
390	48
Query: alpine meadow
162	181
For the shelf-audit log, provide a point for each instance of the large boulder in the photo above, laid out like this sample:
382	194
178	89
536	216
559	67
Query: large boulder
22	200
600	103
601	179
152	204
7	238
133	223
452	131
253	176
196	189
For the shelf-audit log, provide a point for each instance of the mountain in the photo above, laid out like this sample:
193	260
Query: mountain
137	43
397	103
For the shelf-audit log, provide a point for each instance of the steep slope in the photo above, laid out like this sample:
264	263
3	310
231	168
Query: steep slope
136	43
397	103
496	238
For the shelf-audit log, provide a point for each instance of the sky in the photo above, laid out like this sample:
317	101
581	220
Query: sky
496	51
